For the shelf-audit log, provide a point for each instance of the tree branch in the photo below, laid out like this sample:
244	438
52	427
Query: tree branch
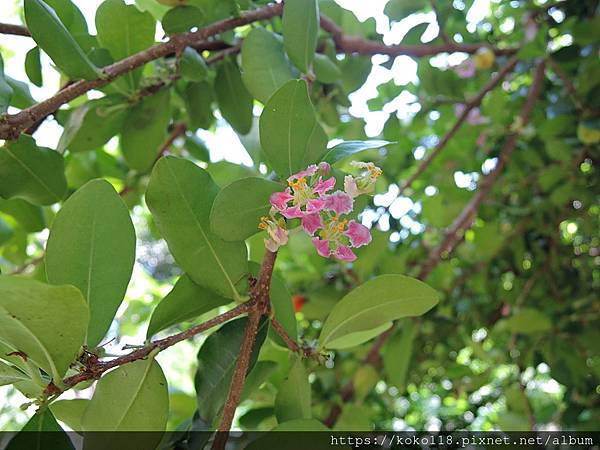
464	219
354	44
454	233
438	19
259	294
470	105
94	371
237	381
11	125
17	30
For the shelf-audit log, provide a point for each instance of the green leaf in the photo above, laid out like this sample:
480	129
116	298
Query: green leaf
378	301
276	440
33	66
326	70
21	96
182	18
186	301
6	232
70	16
300	31
217	359
145	129
290	135
51	36
6	91
33	173
398	353
198	98
349	148
29	216
52	341
180	196
192	65
70	411
526	321
92	125
42	432
92	246
265	67
354	417
293	399
133	397
124	30
10	374
238	207
234	100
259	375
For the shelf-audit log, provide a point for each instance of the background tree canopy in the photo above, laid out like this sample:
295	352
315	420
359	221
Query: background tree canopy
143	140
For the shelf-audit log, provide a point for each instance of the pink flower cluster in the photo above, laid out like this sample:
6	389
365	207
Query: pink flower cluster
308	197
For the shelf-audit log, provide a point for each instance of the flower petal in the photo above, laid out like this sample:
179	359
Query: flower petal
308	172
344	253
280	199
312	222
322	187
292	213
315	205
322	247
340	202
359	234
350	186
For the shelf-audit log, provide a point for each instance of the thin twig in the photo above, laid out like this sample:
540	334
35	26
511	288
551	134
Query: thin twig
291	344
464	219
469	106
34	262
17	30
438	17
355	44
454	233
567	83
96	370
11	125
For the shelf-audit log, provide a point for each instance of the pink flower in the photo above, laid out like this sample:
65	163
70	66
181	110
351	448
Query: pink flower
308	172
465	69
322	247
359	234
280	199
324	168
292	213
315	205
344	253
339	202
312	222
322	187
350	186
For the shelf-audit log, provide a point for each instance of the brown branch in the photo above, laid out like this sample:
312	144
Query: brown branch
567	83
470	105
11	125
34	262
17	30
438	16
354	44
259	294
464	219
454	233
237	381
96	370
